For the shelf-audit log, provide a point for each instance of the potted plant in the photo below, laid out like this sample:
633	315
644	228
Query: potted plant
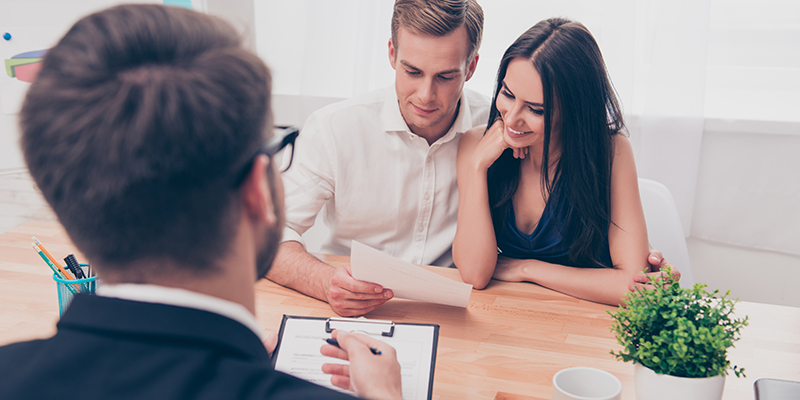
678	339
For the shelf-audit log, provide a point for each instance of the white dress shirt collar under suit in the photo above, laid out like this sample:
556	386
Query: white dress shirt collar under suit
375	181
182	298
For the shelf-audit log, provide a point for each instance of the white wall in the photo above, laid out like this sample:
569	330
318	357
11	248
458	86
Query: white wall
751	275
38	24
33	25
747	211
10	155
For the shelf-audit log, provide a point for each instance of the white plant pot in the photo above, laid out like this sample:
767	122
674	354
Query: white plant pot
653	386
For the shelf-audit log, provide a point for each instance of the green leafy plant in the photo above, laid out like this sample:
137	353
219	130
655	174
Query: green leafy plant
678	332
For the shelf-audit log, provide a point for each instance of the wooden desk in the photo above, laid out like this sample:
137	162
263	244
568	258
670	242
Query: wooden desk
507	344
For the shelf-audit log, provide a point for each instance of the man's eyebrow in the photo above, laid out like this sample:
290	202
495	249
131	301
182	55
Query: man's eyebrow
408	65
449	71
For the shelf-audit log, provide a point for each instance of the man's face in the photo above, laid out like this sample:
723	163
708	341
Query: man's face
269	247
430	73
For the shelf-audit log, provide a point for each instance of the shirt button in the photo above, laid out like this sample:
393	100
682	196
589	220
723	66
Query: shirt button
414	261
426	196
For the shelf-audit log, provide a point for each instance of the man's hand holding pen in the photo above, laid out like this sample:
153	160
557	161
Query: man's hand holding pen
373	371
335	342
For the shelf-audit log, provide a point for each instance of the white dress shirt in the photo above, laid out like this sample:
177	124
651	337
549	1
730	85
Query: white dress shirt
379	183
182	298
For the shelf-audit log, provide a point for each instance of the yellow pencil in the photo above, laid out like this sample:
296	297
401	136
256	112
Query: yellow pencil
52	259
52	267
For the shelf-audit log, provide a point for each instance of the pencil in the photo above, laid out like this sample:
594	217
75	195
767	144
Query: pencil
52	267
52	259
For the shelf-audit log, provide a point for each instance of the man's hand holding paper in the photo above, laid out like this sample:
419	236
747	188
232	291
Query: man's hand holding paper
351	297
406	280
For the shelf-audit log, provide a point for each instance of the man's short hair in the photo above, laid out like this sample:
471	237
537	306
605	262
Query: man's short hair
439	18
135	128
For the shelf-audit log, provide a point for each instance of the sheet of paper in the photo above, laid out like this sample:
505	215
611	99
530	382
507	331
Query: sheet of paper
406	280
299	354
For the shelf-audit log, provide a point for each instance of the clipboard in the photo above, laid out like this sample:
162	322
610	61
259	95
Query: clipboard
300	338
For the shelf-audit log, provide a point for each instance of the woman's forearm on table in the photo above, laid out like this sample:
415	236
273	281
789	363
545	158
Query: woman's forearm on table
601	285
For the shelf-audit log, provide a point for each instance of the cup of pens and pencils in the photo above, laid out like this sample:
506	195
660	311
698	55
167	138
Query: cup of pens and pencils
71	279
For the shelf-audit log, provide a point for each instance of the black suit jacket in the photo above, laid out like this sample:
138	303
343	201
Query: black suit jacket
108	348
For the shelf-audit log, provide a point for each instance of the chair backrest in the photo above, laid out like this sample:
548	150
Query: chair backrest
664	227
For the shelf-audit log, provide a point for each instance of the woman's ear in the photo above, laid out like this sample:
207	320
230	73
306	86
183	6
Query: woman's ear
255	192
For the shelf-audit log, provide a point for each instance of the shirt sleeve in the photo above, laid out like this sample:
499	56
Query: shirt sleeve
309	183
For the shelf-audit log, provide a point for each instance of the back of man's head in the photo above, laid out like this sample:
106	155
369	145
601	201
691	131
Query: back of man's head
135	128
439	18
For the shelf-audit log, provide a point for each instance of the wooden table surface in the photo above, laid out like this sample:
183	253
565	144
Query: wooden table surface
507	344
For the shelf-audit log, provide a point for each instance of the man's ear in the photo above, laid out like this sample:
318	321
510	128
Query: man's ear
392	54
471	67
255	193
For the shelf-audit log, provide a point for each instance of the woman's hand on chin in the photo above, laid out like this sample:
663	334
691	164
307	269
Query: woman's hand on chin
520	152
491	146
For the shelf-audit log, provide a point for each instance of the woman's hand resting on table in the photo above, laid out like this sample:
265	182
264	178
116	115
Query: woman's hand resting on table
514	270
656	261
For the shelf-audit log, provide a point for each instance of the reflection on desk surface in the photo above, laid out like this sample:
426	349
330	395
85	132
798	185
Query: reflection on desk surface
507	344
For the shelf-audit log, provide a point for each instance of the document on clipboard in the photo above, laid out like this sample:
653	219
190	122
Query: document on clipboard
300	339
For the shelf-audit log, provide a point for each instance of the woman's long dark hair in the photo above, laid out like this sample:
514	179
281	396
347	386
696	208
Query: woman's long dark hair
576	87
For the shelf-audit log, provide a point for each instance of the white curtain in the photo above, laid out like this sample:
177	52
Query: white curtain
325	48
669	95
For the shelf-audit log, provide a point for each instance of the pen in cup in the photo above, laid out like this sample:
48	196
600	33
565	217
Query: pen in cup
334	342
72	264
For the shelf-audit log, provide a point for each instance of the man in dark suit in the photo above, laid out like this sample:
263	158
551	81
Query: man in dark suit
146	132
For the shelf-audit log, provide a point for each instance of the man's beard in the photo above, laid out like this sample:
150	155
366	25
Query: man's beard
266	254
269	247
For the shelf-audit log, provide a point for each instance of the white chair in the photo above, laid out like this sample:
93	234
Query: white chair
664	227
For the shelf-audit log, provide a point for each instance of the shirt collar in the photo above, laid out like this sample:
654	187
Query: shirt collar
393	120
182	298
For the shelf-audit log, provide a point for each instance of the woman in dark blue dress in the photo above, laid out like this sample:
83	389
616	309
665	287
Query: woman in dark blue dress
548	193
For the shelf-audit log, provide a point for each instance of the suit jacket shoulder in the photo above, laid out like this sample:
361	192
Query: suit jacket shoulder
110	348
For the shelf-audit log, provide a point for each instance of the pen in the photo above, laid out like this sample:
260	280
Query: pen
52	259
73	265
334	342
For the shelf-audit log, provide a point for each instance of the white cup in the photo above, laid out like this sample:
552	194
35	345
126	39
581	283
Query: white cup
583	383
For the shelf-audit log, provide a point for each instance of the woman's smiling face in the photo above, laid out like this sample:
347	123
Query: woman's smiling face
521	104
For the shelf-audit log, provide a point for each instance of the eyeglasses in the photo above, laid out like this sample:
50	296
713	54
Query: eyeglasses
282	142
279	143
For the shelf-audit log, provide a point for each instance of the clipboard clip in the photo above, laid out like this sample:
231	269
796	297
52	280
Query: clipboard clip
361	324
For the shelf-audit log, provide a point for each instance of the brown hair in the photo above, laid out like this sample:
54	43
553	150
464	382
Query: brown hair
134	128
439	18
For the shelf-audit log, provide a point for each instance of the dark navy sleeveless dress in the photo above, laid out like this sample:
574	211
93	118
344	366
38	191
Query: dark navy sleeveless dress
546	243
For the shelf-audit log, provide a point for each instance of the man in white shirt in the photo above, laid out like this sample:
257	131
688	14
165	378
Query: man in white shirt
383	165
149	133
